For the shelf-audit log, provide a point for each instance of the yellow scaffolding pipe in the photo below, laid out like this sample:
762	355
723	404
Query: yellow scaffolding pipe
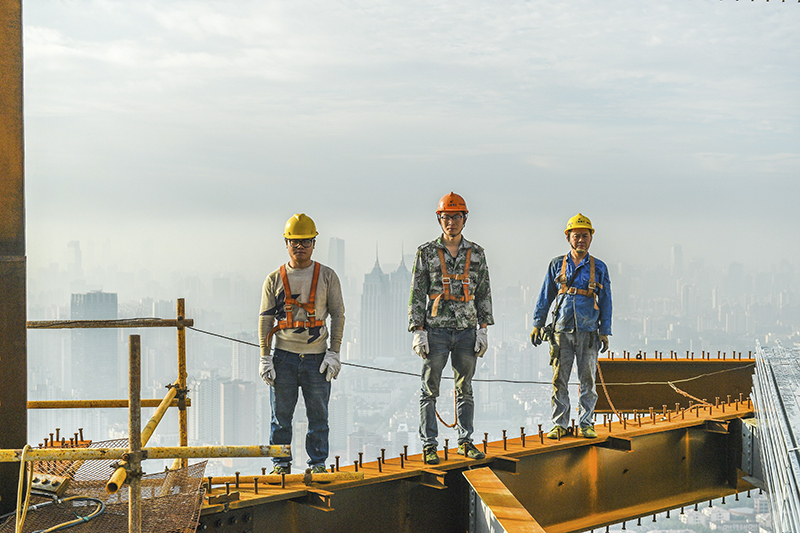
121	473
156	452
96	404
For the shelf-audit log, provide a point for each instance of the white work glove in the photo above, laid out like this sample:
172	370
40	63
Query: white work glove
481	342
267	370
331	365
420	344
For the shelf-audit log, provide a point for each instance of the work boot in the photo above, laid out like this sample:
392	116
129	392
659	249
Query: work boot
557	432
587	432
319	469
467	449
278	469
430	456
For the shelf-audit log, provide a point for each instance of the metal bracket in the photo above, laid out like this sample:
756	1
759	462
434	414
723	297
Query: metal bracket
180	395
316	498
505	464
716	426
616	443
216	499
429	477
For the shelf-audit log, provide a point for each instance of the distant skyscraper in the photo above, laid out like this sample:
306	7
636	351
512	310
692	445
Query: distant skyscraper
676	261
245	358
375	334
399	292
384	312
204	426
238	414
95	359
336	256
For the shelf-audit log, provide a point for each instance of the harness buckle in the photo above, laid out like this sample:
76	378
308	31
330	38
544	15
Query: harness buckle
572	290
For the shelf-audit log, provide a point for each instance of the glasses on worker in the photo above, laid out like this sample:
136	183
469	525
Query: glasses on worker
454	218
296	243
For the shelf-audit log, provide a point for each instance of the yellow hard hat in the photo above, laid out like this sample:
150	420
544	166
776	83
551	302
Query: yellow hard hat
579	221
300	226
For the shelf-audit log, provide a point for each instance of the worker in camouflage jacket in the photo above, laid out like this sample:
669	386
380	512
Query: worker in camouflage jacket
449	310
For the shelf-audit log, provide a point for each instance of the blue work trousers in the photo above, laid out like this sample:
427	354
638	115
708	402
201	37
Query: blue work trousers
580	347
300	371
459	344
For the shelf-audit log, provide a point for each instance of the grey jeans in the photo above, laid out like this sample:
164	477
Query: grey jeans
580	347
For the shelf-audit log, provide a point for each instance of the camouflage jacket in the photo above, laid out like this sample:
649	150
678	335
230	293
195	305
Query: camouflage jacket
427	280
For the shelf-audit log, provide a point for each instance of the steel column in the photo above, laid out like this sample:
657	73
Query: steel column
13	355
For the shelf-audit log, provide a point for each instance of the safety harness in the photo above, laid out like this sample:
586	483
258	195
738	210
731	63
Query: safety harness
565	288
446	278
309	308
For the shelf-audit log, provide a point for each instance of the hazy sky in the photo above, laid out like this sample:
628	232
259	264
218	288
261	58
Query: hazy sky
187	132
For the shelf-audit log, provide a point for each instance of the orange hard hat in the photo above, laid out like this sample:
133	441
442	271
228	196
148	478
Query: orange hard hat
452	202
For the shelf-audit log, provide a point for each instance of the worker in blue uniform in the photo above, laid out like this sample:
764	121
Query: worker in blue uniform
578	287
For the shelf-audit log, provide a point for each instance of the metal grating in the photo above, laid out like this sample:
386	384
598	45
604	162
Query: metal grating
170	500
776	394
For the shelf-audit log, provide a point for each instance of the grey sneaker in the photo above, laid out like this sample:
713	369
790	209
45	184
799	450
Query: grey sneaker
467	449
430	456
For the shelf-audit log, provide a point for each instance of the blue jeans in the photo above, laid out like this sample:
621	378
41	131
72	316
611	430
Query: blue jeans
460	345
295	371
580	346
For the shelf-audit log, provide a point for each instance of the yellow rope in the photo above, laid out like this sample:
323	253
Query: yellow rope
22	512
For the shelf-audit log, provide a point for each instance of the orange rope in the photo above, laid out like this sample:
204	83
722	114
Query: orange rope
455	408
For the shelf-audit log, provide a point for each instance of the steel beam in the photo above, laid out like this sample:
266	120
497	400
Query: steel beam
643	383
570	485
13	355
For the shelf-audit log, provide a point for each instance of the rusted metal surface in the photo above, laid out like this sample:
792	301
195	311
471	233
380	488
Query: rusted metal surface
134	460
651	465
13	357
183	416
107	324
494	508
97	404
643	383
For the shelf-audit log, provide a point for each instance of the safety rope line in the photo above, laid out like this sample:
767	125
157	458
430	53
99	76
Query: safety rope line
512	381
605	390
455	408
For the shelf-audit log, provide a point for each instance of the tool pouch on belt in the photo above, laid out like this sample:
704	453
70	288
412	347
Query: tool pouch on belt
555	350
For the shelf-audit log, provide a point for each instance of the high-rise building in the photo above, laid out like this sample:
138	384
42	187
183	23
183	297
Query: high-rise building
204	426
676	261
336	256
245	358
95	368
375	325
237	408
384	312
399	291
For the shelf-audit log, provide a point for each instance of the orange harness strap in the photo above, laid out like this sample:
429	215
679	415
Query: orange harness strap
309	308
446	277
590	292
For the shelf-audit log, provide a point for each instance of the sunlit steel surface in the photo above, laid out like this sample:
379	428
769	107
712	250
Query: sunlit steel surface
658	381
653	464
777	398
13	358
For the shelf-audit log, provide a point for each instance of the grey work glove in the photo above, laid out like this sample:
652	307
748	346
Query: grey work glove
481	342
420	344
267	370
603	343
331	365
536	336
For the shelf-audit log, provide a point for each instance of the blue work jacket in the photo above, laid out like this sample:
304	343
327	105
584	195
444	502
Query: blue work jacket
576	311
